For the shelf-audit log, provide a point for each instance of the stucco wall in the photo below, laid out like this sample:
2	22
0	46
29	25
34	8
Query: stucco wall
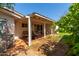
19	29
10	22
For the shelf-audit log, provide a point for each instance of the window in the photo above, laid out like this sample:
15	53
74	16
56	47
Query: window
1	26
24	25
38	28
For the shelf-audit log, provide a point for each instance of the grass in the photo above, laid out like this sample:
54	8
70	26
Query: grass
62	34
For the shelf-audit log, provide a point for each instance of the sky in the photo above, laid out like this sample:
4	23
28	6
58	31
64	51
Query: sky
50	10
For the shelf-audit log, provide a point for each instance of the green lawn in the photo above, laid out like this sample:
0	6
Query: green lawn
62	34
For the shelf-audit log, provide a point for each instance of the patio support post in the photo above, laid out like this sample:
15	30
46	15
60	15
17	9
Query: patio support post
44	30
51	30
29	31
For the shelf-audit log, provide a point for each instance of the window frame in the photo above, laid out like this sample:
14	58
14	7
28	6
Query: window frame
24	25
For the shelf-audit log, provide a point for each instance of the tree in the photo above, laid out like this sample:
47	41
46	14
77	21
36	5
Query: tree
8	5
70	23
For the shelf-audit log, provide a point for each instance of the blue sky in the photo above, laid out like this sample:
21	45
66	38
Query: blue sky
51	10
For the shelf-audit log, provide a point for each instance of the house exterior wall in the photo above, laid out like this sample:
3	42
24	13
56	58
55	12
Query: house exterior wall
19	29
10	22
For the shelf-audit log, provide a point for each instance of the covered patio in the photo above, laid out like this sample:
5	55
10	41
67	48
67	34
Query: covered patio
30	27
33	26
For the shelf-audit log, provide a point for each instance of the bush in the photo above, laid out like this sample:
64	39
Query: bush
6	42
74	50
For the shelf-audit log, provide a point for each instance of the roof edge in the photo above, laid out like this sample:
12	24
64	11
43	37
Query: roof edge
49	19
13	11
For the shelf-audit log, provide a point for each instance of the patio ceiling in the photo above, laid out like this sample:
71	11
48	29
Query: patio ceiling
40	20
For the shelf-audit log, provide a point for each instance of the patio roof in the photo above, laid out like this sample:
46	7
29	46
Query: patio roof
42	16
